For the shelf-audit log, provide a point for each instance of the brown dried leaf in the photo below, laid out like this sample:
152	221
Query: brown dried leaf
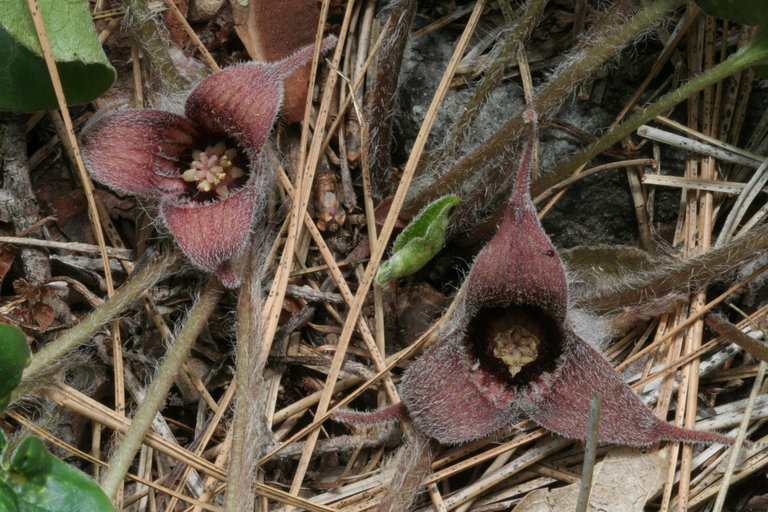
625	480
39	305
8	255
271	31
418	305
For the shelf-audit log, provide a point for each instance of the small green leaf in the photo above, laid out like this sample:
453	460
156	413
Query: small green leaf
14	357
419	241
83	67
42	482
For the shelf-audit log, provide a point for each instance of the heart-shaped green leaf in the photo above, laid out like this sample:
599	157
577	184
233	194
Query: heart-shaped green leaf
41	482
83	67
14	357
419	241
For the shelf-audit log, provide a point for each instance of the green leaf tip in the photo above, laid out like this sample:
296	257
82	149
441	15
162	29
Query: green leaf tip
36	480
84	69
420	241
31	459
746	12
15	357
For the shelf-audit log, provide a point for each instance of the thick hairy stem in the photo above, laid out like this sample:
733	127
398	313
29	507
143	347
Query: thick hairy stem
251	435
733	64
161	384
146	33
407	470
684	276
612	34
381	103
47	358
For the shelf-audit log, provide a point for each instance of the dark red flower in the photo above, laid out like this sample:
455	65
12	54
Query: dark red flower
513	356
204	167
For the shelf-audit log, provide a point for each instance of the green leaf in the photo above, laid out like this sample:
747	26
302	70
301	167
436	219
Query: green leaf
83	67
15	356
747	12
41	482
760	47
419	241
8	502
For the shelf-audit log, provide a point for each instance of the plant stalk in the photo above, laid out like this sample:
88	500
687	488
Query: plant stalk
683	276
382	97
251	432
145	32
158	390
45	360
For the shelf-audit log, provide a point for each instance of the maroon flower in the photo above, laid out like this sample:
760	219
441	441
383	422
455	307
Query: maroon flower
514	356
204	168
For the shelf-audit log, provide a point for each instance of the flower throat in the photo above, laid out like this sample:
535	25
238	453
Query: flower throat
213	170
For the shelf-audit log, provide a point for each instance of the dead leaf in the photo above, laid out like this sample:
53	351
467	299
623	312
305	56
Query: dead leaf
176	32
418	306
625	480
8	255
40	305
271	31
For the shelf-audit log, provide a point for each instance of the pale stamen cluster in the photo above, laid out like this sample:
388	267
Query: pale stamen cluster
213	169
517	347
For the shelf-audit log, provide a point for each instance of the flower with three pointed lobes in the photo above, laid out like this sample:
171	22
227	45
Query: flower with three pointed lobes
205	167
513	355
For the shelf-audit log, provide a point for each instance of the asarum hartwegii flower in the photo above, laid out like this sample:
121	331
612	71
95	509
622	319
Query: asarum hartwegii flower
202	167
513	355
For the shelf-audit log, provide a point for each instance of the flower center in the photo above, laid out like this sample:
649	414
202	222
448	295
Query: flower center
516	346
212	170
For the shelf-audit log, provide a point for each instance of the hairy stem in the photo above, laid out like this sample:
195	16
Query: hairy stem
47	358
683	276
381	104
604	41
737	62
251	433
406	472
161	384
146	33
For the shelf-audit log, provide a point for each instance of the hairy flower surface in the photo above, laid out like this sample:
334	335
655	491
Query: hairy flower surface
513	355
203	167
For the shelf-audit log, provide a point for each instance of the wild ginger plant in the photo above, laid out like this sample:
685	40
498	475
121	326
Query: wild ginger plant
509	352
